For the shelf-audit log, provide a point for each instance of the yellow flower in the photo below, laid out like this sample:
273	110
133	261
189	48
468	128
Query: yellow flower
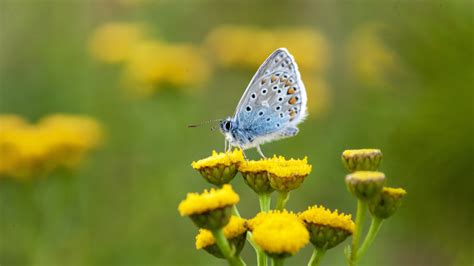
365	185
283	174
113	42
219	168
249	46
280	234
322	216
387	202
327	229
208	200
235	227
270	215
362	159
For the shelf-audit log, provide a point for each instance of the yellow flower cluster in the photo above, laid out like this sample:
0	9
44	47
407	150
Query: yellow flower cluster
322	216
235	227
249	46
149	62
360	152
366	176
394	192
265	216
280	233
55	141
234	157
278	166
209	200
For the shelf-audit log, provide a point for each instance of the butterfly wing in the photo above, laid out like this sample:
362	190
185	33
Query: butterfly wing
275	100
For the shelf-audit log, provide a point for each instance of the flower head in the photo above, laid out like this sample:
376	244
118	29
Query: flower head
220	168
365	185
234	231
256	176
327	229
362	159
280	234
387	202
283	174
211	209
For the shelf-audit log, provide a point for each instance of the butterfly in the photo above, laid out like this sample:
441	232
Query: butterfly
271	107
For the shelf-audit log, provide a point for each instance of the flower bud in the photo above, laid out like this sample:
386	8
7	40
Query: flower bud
387	202
362	159
219	168
365	185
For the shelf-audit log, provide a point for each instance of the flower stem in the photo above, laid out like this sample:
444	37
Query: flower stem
361	212
261	256
318	255
225	248
278	261
283	197
265	200
373	230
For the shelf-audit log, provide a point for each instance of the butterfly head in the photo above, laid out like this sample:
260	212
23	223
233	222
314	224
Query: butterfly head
226	125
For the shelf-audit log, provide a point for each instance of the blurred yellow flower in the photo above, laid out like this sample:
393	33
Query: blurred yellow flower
322	216
280	234
209	200
235	227
369	59
249	46
319	94
153	62
56	141
113	42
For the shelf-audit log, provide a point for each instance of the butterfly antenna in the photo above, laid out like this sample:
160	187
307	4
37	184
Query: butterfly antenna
204	123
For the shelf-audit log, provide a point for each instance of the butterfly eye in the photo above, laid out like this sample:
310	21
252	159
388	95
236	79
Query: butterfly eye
248	108
227	125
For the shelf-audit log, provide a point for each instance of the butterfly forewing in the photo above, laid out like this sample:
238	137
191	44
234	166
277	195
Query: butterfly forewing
275	98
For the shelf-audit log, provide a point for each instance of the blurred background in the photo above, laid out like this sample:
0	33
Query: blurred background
95	97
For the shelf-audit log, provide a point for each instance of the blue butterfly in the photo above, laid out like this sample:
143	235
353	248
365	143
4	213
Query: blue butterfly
272	106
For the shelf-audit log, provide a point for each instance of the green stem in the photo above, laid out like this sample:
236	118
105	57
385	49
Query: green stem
283	197
373	230
318	255
265	200
235	211
261	256
278	261
225	248
361	213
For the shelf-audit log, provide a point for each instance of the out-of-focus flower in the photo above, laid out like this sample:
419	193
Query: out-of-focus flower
369	59
362	159
113	42
249	46
387	202
28	151
235	232
220	168
279	234
365	185
319	94
211	209
153	62
327	229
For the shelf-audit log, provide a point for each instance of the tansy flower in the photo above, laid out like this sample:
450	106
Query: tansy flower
256	175
362	159
286	175
235	232
210	209
280	234
264	216
220	168
387	202
365	185
327	229
113	42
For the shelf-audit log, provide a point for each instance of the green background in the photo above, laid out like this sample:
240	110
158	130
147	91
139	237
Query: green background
120	207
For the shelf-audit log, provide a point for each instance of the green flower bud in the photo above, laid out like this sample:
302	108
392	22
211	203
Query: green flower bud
213	219
258	182
362	159
219	175
237	243
219	168
387	202
326	237
365	185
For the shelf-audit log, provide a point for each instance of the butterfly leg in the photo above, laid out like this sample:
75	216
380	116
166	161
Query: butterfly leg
260	152
225	145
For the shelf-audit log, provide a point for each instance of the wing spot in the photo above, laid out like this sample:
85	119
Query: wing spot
264	91
280	99
281	115
293	100
290	91
253	96
268	119
282	64
275	87
263	81
277	74
279	91
273	78
281	55
278	108
278	125
260	113
248	108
